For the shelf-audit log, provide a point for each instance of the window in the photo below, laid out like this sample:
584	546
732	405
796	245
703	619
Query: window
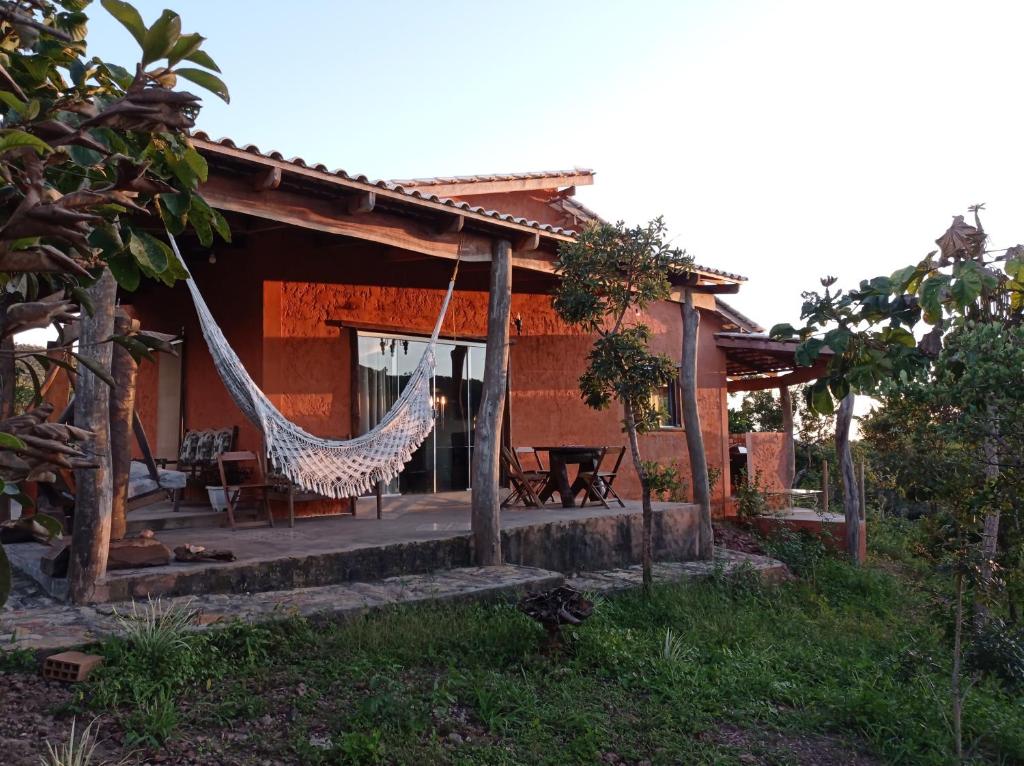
666	400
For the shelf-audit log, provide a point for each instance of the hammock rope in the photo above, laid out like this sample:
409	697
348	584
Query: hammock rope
328	467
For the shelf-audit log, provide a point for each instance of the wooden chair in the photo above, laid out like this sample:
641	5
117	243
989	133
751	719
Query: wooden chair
529	459
526	485
247	488
598	483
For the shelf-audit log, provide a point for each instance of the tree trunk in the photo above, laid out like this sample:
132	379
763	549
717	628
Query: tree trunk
647	542
851	502
990	528
825	498
786	401
8	384
485	522
955	681
124	370
90	538
691	424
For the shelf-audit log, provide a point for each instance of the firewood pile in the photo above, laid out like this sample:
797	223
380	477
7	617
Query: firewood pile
554	608
44	448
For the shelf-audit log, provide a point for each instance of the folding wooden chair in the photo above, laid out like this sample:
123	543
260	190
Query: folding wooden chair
526	485
248	488
598	483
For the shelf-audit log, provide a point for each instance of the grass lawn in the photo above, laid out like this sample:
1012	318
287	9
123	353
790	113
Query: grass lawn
841	666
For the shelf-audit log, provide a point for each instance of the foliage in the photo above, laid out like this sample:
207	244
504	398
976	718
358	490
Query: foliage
664	481
954	392
90	154
605	273
157	628
758	411
800	550
870	329
750	497
78	750
855	653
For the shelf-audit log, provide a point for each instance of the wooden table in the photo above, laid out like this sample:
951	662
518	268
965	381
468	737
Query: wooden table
560	458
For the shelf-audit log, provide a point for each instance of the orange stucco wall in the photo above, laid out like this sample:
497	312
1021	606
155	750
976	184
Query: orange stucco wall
273	294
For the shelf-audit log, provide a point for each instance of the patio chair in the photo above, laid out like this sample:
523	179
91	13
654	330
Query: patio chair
245	487
598	483
526	485
197	455
529	459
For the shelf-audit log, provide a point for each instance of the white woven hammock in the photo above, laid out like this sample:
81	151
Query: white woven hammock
332	468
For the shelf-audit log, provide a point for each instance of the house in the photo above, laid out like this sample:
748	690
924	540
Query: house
332	282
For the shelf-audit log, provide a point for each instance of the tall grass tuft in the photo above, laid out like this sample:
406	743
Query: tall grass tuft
75	751
157	628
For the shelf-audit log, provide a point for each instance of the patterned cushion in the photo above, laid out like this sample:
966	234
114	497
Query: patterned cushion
223	441
201	448
189	447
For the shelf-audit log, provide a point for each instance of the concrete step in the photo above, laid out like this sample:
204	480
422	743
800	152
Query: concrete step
160	519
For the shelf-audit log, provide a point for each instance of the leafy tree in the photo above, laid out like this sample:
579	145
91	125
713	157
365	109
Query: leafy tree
758	411
609	274
90	154
958	388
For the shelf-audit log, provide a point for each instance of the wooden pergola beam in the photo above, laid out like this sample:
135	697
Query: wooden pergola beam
799	375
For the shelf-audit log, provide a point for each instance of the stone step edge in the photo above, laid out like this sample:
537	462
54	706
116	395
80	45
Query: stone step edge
72	627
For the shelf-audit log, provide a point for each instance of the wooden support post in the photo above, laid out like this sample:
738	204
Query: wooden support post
863	494
380	499
851	502
786	402
124	371
8	384
691	425
824	486
486	524
90	537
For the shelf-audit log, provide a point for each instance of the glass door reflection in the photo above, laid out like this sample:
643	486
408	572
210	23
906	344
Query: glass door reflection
442	463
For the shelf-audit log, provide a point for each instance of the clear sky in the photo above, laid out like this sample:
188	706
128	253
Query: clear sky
781	140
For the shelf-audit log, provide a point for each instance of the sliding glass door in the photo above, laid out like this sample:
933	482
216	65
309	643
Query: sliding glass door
442	462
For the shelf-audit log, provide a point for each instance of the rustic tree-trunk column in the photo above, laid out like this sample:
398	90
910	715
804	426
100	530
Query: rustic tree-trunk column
124	371
90	539
691	424
851	503
8	385
786	402
824	487
487	434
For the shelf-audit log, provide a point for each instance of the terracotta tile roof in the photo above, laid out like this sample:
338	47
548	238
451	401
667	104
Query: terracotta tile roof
203	141
496	177
408	189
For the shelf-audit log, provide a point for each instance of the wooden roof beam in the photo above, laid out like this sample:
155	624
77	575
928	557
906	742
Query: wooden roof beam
267	179
527	243
362	202
452	224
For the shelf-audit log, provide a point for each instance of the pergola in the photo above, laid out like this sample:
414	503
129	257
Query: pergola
755	362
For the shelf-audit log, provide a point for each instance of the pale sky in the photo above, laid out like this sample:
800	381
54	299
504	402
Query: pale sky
781	140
